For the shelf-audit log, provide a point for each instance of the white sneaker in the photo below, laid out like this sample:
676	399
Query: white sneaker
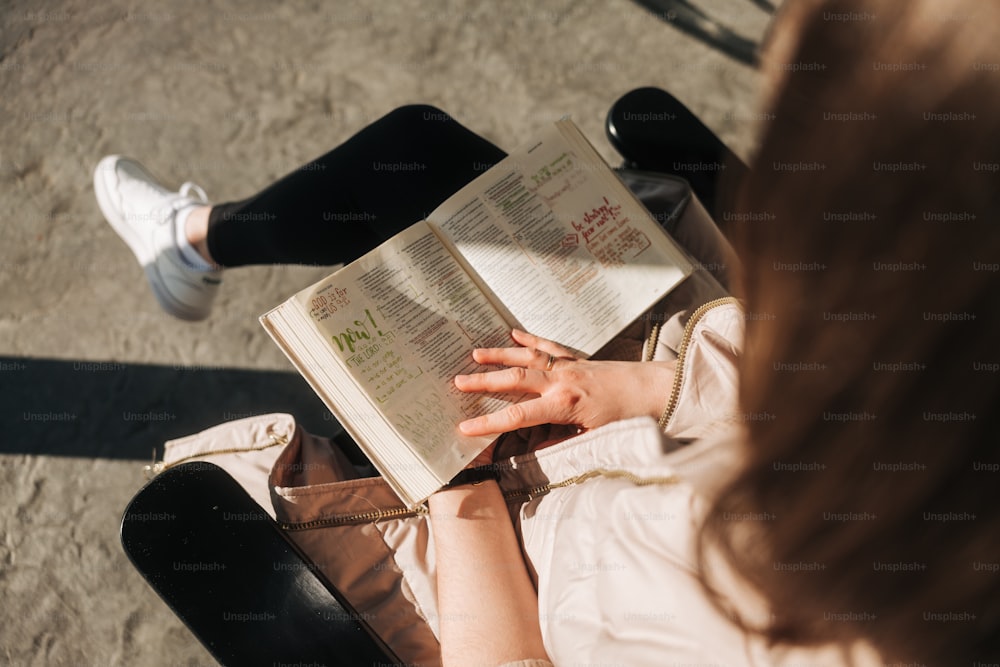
144	213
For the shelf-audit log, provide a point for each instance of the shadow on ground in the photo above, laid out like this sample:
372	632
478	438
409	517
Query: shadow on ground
123	411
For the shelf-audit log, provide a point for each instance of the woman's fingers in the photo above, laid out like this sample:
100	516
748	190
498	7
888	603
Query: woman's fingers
528	357
526	373
545	345
509	380
519	415
534	352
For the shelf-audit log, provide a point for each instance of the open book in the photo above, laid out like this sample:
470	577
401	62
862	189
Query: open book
548	241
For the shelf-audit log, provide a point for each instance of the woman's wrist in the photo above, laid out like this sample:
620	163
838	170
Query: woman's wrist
465	500
475	473
660	384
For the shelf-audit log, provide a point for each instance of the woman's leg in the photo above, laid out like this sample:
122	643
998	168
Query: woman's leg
383	179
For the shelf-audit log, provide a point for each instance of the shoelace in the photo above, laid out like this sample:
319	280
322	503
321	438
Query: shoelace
183	195
188	187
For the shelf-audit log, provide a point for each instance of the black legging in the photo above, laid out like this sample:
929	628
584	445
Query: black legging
336	208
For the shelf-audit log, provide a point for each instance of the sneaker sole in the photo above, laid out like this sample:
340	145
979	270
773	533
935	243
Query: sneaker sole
136	244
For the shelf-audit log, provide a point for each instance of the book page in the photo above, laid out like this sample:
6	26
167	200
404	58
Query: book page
558	240
403	321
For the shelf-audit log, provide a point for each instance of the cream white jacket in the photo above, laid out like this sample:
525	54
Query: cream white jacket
607	519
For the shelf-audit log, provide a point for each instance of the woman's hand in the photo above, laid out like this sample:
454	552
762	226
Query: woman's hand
567	390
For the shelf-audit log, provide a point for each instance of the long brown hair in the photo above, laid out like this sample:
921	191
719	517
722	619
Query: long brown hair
871	386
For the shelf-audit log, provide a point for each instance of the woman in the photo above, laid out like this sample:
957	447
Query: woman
869	390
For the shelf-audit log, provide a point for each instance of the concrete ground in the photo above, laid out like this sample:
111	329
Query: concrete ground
93	375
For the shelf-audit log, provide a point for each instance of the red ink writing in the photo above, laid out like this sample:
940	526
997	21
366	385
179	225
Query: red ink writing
597	218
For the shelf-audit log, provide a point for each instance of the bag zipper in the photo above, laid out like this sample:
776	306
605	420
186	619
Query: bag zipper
157	467
525	495
510	497
675	391
374	516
